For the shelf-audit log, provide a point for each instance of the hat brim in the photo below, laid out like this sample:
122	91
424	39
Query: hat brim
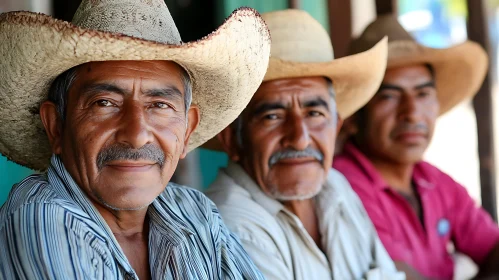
226	68
356	78
459	70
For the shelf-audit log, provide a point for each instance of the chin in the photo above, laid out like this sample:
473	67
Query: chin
128	198
125	205
296	190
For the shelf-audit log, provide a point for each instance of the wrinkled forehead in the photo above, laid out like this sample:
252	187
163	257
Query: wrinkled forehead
298	89
409	76
128	75
161	71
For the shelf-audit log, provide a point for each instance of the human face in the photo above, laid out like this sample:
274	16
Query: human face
398	123
294	117
125	130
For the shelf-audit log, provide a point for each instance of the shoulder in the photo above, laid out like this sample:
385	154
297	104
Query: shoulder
35	197
243	215
432	174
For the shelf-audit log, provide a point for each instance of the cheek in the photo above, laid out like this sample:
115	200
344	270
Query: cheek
171	134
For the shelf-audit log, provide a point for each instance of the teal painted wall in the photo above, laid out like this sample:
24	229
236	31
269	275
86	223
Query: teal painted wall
10	174
318	9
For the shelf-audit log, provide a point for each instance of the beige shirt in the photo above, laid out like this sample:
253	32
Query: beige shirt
280	245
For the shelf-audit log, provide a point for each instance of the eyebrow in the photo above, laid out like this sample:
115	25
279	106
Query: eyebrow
318	102
100	87
265	107
166	92
397	88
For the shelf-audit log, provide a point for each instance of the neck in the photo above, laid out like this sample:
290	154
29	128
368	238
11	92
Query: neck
125	223
397	176
305	211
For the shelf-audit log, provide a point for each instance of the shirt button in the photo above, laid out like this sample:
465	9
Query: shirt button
95	262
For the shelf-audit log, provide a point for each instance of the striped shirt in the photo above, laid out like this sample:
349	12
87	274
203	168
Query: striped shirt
50	230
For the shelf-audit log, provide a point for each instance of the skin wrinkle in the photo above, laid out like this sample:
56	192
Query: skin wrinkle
59	89
87	165
266	144
398	123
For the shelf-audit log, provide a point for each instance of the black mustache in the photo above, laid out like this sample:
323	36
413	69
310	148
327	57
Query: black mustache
114	152
292	153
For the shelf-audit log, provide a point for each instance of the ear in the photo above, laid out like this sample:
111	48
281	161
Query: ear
53	125
339	124
229	144
193	118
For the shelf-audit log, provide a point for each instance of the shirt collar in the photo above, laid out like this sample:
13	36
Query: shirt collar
273	206
160	214
422	177
240	177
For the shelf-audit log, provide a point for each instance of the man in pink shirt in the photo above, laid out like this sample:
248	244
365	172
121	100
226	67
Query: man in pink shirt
417	209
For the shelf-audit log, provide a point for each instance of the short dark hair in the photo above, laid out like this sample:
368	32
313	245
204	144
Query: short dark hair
58	92
431	69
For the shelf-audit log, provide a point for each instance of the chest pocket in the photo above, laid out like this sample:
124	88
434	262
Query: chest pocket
94	258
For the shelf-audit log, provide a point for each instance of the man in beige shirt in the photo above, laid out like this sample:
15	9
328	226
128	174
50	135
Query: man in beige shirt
297	217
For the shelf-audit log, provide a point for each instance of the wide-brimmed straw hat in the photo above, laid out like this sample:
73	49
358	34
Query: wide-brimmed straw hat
459	70
226	67
301	47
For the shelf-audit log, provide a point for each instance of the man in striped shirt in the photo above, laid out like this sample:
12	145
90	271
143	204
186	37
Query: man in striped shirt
116	131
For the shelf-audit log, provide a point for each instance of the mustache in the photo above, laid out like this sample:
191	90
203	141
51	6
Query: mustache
292	153
405	127
120	151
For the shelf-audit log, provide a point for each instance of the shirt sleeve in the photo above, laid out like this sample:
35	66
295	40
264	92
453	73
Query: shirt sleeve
265	254
39	242
473	231
236	263
396	250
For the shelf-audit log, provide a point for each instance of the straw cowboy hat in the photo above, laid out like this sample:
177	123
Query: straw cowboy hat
459	70
226	67
301	47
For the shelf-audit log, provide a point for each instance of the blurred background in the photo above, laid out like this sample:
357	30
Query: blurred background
463	145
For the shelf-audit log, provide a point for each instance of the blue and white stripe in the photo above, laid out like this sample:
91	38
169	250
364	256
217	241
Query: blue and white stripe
50	230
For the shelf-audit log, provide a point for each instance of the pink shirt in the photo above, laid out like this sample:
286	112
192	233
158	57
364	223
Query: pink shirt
449	215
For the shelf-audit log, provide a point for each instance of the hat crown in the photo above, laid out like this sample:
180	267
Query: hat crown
145	19
298	37
386	25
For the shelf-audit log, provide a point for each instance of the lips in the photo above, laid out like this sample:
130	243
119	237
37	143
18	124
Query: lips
411	136
129	166
300	160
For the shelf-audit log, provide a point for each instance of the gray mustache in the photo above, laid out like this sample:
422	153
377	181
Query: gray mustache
292	153
114	152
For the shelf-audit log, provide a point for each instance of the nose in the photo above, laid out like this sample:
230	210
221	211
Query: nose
409	110
297	135
134	128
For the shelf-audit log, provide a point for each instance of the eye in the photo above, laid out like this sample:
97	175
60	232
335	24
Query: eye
270	117
423	94
161	105
104	103
315	114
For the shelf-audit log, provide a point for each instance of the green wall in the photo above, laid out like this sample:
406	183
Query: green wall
10	174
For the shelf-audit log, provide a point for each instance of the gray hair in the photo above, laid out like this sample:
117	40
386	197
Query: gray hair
237	125
58	92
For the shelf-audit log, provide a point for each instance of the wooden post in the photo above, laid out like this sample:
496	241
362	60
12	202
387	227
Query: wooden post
478	32
340	25
294	4
386	7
